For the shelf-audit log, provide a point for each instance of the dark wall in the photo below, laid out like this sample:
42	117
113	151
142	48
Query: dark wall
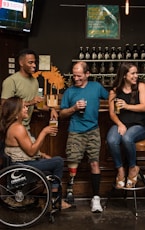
10	45
60	31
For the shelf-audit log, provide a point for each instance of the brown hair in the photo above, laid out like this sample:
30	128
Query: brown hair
10	110
119	80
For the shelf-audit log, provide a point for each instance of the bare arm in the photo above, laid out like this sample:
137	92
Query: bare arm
68	112
112	113
121	127
18	136
34	101
53	114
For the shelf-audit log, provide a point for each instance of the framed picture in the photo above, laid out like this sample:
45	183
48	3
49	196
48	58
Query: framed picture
103	21
44	62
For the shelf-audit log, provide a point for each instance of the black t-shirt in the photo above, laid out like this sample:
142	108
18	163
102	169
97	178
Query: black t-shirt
130	118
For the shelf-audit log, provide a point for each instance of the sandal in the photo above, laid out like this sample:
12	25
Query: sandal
120	183
131	181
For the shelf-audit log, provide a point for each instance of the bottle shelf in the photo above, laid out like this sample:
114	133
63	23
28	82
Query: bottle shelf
105	79
110	60
105	76
140	75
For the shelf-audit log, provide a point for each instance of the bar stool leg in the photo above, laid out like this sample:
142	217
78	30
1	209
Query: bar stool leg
135	203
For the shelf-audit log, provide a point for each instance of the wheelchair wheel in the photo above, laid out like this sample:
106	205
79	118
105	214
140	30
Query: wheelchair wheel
24	195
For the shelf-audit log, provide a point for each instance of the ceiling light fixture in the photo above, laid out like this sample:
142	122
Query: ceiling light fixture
127	7
24	9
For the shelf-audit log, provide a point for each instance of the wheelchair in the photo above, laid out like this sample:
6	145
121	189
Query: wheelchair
25	196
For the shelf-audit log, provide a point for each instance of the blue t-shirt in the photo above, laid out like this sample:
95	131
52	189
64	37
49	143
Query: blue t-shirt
92	93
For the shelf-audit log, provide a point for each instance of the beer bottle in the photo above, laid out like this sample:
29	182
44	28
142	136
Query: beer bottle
119	53
111	68
94	68
81	54
100	53
106	53
135	52
94	53
113	53
142	51
102	68
87	54
127	52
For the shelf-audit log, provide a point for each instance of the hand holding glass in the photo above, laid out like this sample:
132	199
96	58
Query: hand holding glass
55	124
116	106
83	104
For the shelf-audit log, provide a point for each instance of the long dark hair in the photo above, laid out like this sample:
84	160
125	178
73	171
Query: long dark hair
9	114
120	80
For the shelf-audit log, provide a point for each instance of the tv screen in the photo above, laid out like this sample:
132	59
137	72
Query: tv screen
12	15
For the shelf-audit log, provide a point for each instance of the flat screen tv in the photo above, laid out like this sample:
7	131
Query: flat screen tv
11	15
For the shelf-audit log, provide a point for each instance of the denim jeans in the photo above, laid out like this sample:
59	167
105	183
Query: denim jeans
53	165
128	140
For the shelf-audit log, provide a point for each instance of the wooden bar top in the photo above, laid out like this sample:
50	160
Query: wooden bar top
103	106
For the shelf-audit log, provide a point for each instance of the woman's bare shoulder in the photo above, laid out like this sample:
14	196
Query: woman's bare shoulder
141	86
17	128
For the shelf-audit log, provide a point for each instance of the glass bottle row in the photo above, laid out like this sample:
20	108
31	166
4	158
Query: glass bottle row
136	52
111	67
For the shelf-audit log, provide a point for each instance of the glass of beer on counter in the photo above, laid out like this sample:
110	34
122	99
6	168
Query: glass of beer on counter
55	124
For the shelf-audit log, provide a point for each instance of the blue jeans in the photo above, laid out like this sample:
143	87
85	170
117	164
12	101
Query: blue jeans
53	165
128	140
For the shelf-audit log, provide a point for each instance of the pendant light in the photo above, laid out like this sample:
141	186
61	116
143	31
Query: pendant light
24	9
127	7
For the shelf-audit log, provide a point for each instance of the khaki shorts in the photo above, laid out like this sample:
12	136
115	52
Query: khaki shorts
80	143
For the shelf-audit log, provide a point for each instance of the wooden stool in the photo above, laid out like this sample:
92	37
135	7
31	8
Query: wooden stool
140	147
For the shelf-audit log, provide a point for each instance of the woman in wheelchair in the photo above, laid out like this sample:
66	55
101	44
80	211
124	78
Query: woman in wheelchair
22	148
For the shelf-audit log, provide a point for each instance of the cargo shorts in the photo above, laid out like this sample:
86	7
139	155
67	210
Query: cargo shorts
79	144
